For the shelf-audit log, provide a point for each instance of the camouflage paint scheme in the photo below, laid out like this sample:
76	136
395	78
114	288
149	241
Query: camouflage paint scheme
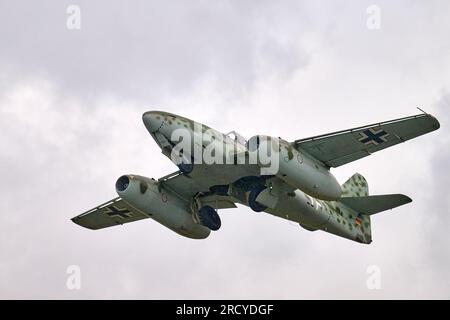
304	191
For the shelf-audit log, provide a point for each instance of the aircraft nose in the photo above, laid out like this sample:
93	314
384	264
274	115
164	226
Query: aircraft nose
152	120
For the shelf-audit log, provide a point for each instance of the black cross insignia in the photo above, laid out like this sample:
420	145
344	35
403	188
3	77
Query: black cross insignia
115	212
373	136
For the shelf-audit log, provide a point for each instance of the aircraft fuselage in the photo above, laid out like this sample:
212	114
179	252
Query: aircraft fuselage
280	196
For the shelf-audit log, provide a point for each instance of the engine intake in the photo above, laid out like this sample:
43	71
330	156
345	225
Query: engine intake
122	183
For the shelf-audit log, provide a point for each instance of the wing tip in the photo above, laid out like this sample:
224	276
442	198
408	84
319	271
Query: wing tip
436	124
405	199
76	220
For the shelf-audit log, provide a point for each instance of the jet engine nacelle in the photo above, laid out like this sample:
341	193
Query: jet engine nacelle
146	195
295	168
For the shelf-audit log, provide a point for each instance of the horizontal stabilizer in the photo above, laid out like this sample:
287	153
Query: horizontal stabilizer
373	204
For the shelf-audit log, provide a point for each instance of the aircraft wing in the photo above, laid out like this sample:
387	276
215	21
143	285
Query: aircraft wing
338	148
111	213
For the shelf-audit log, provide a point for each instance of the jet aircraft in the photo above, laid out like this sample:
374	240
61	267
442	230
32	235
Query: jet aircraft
299	187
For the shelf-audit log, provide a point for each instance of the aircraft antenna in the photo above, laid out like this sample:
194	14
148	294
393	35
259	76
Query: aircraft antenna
421	110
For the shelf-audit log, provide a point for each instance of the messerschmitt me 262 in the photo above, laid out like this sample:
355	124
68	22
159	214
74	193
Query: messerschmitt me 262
296	184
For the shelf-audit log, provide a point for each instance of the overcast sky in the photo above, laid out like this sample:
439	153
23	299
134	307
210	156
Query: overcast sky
71	103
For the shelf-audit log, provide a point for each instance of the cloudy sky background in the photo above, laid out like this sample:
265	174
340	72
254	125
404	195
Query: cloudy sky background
70	114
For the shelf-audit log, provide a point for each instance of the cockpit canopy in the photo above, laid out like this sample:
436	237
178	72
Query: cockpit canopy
233	135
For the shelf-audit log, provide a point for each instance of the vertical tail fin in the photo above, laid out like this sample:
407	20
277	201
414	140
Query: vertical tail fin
356	186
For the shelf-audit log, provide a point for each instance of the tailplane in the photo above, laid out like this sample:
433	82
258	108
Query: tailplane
373	204
355	196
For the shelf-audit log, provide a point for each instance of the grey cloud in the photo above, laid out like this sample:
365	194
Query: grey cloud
437	219
70	113
143	48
